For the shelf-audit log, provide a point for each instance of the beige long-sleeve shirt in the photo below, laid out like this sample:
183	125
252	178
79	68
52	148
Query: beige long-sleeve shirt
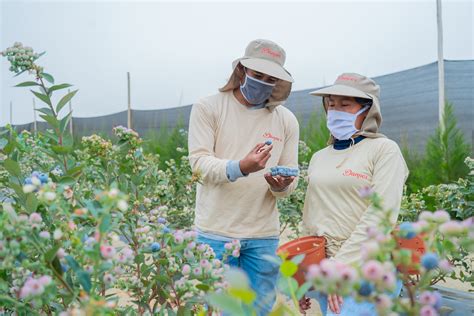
222	129
333	207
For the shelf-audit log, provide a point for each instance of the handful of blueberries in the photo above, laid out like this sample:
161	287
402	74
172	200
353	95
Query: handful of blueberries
284	171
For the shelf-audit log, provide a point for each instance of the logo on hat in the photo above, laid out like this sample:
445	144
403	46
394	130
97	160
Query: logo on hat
269	51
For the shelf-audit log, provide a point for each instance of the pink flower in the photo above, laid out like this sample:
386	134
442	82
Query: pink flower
178	239
61	253
45	280
366	192
45	235
217	263
372	232
191	245
188	235
441	216
426	215
186	270
204	263
236	253
35	218
445	266
202	247
197	271
369	248
313	272
451	228
428	298
107	252
71	225
348	274
420	226
228	246
32	287
108	278
372	270
328	269
389	280
428	311
383	302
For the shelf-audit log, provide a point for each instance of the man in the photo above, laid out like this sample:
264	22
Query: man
229	146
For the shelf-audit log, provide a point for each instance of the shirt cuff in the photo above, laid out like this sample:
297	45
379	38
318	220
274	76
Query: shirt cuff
233	170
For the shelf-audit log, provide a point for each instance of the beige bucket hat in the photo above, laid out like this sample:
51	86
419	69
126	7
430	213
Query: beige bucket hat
266	57
351	85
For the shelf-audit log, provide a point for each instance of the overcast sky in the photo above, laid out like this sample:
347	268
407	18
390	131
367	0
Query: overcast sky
177	52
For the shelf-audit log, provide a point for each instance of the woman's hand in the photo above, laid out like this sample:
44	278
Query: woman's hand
335	303
278	183
305	304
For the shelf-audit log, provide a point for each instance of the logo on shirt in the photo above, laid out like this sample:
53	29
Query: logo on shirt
350	173
269	135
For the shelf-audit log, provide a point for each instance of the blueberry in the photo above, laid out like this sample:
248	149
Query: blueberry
429	260
407	230
64	267
161	220
268	142
366	288
35	174
43	178
166	230
28	181
155	247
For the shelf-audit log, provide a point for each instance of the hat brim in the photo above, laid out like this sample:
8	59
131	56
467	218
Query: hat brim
267	67
342	90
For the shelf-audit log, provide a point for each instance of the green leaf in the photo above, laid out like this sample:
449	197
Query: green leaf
51	254
46	111
65	100
73	263
303	290
31	202
203	287
105	223
59	87
51	120
245	295
226	303
298	259
12	167
27	84
67	181
288	268
64	122
61	149
48	77
85	280
3	143
42	97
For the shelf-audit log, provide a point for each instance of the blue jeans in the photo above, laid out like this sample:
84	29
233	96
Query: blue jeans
350	306
262	273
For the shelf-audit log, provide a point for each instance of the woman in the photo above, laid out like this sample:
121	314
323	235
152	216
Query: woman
358	156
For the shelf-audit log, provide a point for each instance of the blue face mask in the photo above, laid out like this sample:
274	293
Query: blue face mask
255	91
341	124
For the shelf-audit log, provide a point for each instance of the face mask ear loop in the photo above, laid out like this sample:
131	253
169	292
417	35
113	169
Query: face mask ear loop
351	148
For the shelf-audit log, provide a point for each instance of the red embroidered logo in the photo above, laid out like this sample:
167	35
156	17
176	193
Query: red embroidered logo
269	135
270	52
347	78
350	173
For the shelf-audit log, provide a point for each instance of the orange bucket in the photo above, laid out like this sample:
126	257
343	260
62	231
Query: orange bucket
417	247
314	249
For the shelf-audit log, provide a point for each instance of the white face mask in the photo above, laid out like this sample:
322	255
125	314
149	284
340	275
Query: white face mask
342	124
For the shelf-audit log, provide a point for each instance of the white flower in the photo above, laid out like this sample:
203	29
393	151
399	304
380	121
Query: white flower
58	234
50	196
122	205
28	188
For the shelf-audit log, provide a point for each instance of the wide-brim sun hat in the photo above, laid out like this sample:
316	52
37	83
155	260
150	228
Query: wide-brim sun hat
351	85
266	57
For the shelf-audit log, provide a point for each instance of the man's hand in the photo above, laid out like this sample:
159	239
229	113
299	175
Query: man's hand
278	183
256	159
335	303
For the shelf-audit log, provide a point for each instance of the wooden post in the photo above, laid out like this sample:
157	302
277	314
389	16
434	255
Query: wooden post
441	98
129	108
35	124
